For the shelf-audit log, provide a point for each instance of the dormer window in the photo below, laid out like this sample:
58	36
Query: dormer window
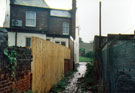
65	28
31	18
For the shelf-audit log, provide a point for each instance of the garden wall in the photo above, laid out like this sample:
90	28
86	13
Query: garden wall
22	79
115	64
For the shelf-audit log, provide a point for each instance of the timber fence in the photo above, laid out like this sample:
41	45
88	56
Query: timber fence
48	64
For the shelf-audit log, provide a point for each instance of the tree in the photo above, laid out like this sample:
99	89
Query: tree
82	52
90	54
80	40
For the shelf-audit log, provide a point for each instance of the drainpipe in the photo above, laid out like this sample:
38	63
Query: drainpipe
15	38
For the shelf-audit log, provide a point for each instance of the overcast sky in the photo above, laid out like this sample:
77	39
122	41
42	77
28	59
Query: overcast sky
118	16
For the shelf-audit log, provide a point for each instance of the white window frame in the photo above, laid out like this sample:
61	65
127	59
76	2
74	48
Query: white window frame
61	42
30	15
65	28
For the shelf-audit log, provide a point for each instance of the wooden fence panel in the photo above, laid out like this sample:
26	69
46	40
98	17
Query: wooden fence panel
48	64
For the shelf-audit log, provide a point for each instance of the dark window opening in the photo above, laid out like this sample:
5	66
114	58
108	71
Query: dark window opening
28	42
47	39
57	42
63	43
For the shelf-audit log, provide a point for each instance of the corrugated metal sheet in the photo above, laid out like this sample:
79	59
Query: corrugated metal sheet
61	13
34	3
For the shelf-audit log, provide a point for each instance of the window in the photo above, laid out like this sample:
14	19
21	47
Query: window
47	39
65	28
63	43
57	42
31	18
28	42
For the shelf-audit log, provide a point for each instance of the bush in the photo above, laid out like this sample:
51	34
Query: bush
82	51
90	54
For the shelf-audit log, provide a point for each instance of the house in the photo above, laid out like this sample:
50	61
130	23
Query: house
27	18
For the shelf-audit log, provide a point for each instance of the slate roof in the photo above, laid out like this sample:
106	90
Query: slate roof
33	3
61	13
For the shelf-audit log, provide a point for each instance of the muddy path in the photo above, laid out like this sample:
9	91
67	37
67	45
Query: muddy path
73	86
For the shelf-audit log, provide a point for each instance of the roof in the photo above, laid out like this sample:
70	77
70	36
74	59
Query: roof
61	13
33	3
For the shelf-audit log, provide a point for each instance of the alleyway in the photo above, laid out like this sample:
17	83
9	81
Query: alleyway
73	86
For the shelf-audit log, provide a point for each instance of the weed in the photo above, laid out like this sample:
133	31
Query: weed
61	85
88	81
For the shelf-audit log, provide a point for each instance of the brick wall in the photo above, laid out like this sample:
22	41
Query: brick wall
56	25
7	85
22	80
23	83
19	13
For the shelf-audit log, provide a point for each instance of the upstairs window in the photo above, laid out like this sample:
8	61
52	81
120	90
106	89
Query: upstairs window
28	42
31	18
65	28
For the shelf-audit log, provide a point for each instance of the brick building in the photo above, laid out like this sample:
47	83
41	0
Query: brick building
24	19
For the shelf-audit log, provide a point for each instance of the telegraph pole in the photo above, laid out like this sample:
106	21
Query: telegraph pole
73	33
73	17
100	22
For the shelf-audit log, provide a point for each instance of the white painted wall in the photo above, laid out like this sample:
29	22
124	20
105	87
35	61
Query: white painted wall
76	47
11	38
60	40
4	13
21	38
7	14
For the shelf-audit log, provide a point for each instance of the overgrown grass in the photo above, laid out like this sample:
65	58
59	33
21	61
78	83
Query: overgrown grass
85	59
61	85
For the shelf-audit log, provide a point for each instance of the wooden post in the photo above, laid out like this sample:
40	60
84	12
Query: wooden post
73	18
100	24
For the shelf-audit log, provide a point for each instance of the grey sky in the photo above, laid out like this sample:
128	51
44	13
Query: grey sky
118	16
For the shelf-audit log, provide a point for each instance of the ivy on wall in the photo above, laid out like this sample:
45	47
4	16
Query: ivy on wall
10	58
